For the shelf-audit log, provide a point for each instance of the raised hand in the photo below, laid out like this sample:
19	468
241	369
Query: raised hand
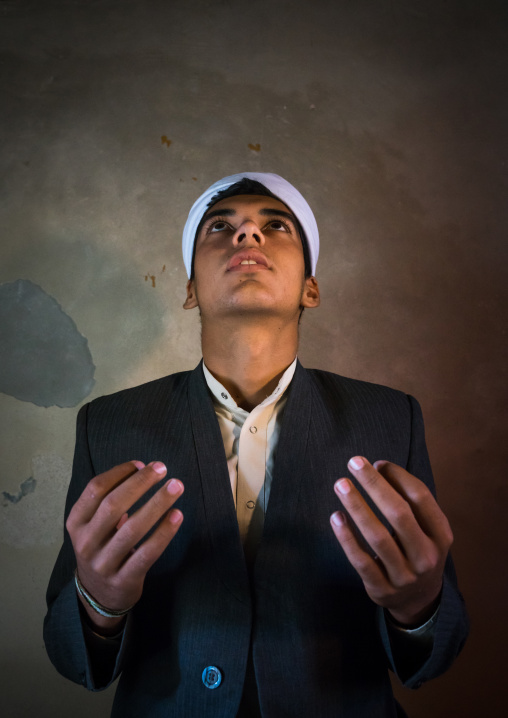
401	571
104	537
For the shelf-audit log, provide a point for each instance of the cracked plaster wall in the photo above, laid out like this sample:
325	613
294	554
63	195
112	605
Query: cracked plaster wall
389	116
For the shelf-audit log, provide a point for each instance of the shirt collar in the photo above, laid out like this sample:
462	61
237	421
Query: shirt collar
223	397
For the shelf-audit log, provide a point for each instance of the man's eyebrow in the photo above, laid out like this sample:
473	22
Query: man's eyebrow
218	213
267	212
277	213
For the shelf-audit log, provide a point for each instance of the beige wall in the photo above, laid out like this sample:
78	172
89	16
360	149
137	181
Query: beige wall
390	117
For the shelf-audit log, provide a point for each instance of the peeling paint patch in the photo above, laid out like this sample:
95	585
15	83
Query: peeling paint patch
44	358
27	487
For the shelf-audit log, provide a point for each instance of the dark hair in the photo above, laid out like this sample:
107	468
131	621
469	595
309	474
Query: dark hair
252	187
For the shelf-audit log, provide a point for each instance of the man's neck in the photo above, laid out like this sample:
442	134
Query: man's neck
249	360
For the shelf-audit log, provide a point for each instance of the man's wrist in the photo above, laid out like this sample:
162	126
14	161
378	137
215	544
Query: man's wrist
417	630
101	626
408	621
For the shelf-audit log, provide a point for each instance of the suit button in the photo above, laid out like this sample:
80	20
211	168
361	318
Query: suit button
211	677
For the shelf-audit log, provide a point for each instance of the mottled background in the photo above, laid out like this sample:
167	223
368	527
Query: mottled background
390	116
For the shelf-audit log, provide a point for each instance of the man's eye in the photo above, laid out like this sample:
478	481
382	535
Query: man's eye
218	226
278	224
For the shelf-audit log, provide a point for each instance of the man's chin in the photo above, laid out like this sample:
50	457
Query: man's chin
250	311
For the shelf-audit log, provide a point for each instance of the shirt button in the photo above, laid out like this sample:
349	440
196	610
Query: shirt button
250	504
211	677
253	429
224	396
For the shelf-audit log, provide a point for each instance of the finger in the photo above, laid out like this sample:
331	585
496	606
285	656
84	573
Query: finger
124	518
140	561
96	489
425	508
422	551
392	504
369	570
139	524
121	499
374	532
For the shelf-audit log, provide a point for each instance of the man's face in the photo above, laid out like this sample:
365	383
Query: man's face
249	261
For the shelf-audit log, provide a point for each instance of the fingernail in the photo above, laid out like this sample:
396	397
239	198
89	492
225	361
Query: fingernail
356	462
138	464
158	466
175	516
338	518
344	486
173	487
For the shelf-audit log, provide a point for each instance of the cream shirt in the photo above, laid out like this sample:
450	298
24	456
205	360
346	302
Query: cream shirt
250	442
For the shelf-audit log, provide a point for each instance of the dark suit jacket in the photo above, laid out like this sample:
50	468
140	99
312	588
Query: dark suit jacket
318	646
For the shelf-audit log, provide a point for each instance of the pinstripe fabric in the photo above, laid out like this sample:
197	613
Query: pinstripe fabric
317	647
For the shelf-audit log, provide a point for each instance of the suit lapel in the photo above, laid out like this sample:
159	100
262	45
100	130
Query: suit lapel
217	495
290	458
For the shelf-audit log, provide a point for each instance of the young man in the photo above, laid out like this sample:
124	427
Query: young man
263	592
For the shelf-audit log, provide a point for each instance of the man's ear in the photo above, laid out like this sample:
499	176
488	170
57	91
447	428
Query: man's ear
310	294
192	301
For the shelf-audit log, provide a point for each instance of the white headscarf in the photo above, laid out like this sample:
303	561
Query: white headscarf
278	186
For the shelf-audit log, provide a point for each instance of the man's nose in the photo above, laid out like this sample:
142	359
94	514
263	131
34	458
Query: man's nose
248	234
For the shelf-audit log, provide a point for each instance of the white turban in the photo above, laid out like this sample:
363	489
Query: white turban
278	186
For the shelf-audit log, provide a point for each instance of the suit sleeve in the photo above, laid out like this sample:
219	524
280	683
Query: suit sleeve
415	662
67	641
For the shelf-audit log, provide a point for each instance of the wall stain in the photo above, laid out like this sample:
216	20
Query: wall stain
44	358
255	147
27	487
152	277
165	140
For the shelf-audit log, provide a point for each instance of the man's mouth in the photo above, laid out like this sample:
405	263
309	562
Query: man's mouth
247	259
